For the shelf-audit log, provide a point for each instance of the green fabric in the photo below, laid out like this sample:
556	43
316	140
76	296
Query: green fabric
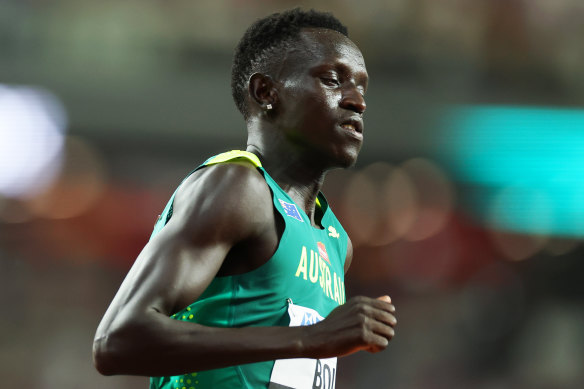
299	271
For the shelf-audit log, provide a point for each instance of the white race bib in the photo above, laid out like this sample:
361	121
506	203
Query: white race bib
303	373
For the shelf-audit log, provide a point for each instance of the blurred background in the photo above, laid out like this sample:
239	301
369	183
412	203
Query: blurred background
466	205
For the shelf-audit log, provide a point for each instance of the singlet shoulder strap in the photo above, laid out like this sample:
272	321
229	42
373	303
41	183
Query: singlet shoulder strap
234	155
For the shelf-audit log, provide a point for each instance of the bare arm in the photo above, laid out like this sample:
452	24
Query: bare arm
136	335
349	258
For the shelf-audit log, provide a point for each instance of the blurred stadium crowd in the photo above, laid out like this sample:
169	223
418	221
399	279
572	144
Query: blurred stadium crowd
466	206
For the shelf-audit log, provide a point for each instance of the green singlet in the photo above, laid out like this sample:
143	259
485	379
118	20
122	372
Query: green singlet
307	270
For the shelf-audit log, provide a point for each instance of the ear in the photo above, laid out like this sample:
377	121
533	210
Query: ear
262	90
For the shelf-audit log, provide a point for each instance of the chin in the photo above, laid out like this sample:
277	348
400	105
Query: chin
349	163
339	157
347	159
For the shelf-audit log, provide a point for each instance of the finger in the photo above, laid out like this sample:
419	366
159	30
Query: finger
384	302
384	316
385	298
383	330
377	343
383	306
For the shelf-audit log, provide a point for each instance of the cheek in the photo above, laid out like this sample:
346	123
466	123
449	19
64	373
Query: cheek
314	94
323	102
307	104
331	99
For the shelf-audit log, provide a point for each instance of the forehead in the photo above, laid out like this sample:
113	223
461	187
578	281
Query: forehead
323	46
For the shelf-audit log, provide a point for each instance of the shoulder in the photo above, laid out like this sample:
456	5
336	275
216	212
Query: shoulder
239	181
217	196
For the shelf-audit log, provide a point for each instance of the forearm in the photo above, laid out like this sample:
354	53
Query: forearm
159	346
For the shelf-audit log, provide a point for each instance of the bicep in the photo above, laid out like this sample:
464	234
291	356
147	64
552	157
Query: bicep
211	216
180	262
173	270
169	273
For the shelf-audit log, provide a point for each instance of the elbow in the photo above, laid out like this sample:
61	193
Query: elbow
112	348
118	349
103	356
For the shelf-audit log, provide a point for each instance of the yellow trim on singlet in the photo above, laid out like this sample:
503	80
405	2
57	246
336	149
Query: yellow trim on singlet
235	154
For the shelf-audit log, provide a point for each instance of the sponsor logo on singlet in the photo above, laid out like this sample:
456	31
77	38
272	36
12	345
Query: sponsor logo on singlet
333	232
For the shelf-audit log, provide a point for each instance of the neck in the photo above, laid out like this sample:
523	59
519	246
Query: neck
296	171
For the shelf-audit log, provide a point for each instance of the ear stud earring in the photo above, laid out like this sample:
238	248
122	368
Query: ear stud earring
268	107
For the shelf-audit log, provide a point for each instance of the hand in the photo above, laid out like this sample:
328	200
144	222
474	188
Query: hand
363	323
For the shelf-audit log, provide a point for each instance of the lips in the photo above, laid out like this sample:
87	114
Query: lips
354	126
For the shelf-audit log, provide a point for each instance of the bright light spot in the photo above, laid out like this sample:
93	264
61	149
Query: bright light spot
539	149
435	196
520	208
509	212
517	247
383	203
360	208
378	173
32	122
401	198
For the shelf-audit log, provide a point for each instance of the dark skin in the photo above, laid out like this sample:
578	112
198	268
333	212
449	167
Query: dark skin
224	223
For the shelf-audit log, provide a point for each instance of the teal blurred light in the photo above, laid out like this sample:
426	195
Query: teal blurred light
526	163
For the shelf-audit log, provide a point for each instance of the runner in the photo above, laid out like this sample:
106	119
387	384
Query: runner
242	282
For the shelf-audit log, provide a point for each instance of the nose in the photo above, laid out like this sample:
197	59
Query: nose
353	100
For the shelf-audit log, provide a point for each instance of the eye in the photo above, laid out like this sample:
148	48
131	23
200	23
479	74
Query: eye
330	80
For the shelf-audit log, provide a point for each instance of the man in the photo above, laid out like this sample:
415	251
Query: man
242	282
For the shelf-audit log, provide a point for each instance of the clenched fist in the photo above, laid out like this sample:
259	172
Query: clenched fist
362	323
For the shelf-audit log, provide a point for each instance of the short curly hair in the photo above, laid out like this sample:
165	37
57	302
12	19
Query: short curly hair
259	48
